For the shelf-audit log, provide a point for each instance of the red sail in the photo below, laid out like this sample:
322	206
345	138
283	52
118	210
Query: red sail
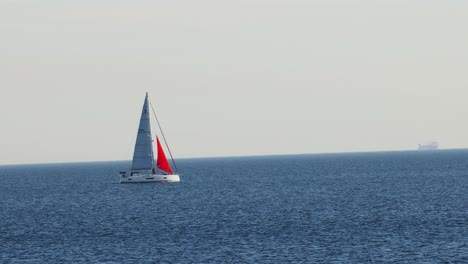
162	160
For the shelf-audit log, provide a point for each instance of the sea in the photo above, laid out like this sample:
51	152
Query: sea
382	207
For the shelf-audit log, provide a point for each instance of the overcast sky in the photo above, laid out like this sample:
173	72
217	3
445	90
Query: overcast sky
229	78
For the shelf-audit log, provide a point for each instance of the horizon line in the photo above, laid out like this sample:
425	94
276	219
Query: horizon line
241	156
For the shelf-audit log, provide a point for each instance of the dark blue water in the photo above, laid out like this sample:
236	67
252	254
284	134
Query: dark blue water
404	207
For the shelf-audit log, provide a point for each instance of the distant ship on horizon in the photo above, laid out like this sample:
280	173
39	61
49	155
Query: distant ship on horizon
428	146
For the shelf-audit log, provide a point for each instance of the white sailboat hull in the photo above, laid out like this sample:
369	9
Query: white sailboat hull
150	178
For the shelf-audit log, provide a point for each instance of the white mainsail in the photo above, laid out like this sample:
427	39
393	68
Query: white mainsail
143	156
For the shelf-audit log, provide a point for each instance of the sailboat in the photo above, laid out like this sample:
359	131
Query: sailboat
144	168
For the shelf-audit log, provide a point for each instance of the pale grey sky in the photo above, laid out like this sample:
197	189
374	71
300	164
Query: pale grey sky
244	77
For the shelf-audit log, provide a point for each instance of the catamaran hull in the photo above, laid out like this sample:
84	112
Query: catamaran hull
150	179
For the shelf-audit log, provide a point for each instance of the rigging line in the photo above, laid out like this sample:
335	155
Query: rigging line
165	141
